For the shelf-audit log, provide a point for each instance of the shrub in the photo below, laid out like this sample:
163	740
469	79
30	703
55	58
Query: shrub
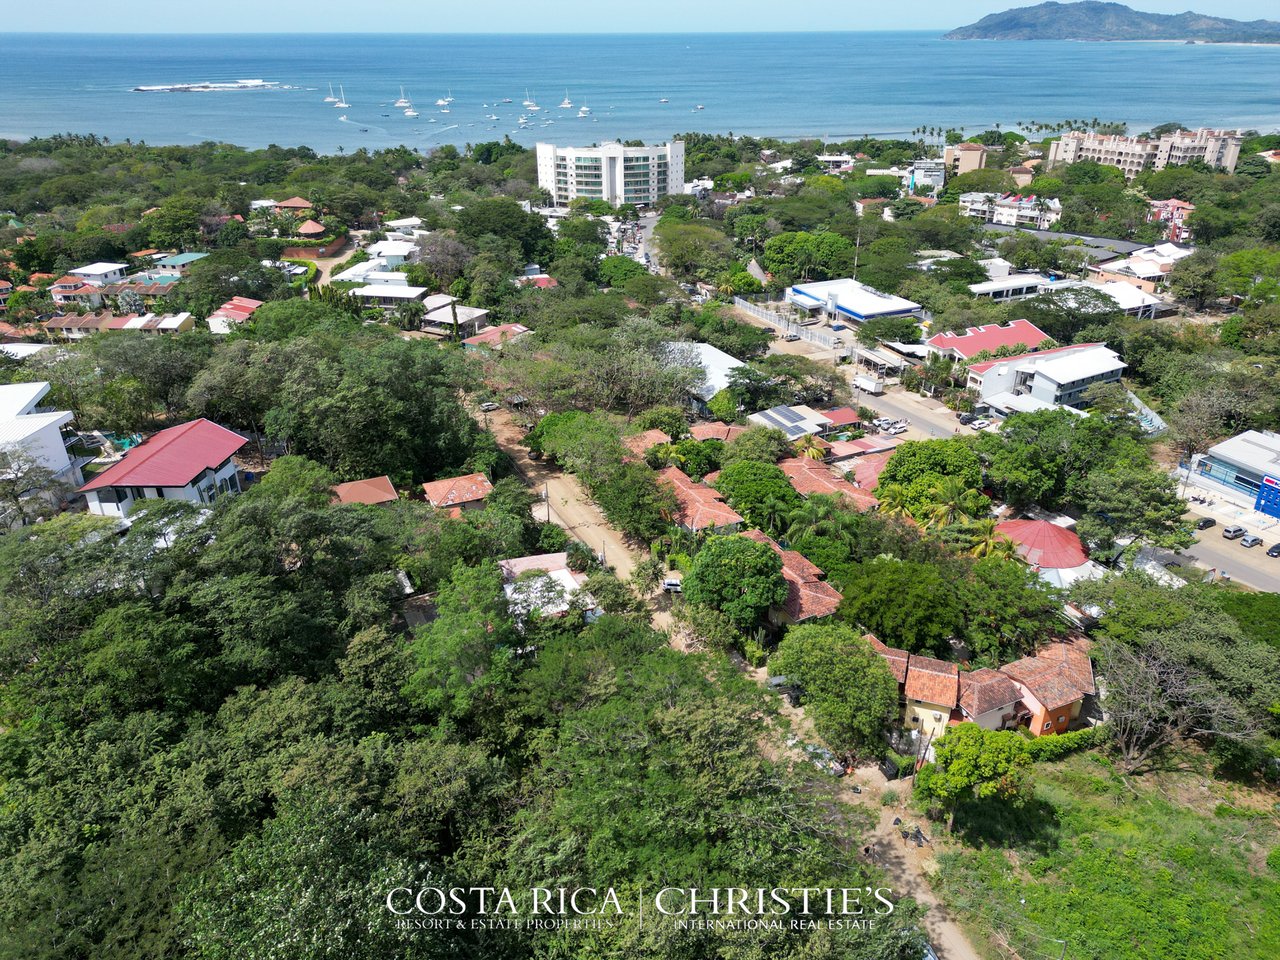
1273	859
1057	747
753	652
889	798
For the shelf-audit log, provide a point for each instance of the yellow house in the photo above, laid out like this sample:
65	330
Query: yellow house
930	693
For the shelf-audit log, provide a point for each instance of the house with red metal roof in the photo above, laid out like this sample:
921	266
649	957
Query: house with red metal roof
373	491
191	462
1053	551
809	596
235	311
699	508
456	494
990	338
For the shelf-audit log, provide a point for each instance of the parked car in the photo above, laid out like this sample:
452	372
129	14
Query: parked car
980	424
489	406
672	586
1274	550
897	428
1233	532
1204	523
967	418
791	337
1251	540
883	423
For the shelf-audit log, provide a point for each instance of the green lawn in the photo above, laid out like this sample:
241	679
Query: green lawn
1171	865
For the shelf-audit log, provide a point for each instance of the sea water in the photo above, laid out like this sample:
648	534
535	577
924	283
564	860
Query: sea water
787	85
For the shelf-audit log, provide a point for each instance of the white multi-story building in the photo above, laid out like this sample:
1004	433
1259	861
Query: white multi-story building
1218	148
1012	209
1057	377
611	172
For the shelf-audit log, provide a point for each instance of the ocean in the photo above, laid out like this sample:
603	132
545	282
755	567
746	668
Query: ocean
787	85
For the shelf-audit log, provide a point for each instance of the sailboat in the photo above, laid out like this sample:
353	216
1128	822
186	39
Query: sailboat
410	112
527	99
331	98
566	103
342	98
403	101
584	111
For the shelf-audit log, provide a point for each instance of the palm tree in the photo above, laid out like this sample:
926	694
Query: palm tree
809	447
893	499
815	515
989	542
774	513
952	501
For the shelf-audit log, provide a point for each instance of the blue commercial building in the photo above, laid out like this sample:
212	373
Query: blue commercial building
1250	463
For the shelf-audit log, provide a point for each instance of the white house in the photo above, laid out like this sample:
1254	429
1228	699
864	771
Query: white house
1060	376
36	431
716	367
795	421
100	274
394	253
191	462
1012	209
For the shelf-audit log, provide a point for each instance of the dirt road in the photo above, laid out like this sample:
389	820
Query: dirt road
569	505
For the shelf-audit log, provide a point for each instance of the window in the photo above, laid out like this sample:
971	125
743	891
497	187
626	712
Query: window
1047	724
1062	719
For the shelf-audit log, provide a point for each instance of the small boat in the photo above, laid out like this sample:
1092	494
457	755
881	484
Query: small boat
386	114
584	111
403	101
491	116
364	129
699	107
342	99
331	98
431	120
566	103
410	112
444	109
664	100
506	99
343	117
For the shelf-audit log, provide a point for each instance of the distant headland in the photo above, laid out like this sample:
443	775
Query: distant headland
1095	20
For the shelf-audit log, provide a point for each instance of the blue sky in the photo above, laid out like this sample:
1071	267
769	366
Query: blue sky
543	16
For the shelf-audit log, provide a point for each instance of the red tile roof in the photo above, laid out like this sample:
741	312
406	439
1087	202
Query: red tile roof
990	337
172	457
310	228
374	490
638	443
698	506
1044	545
457	490
1059	674
496	335
932	681
715	431
813	476
970	146
294	203
982	691
867	470
808	595
895	658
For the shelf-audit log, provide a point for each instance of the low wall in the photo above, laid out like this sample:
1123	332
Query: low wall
313	253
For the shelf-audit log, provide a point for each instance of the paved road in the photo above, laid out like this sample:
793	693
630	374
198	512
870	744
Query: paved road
1249	566
929	419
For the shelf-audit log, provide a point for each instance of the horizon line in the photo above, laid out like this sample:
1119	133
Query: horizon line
451	33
